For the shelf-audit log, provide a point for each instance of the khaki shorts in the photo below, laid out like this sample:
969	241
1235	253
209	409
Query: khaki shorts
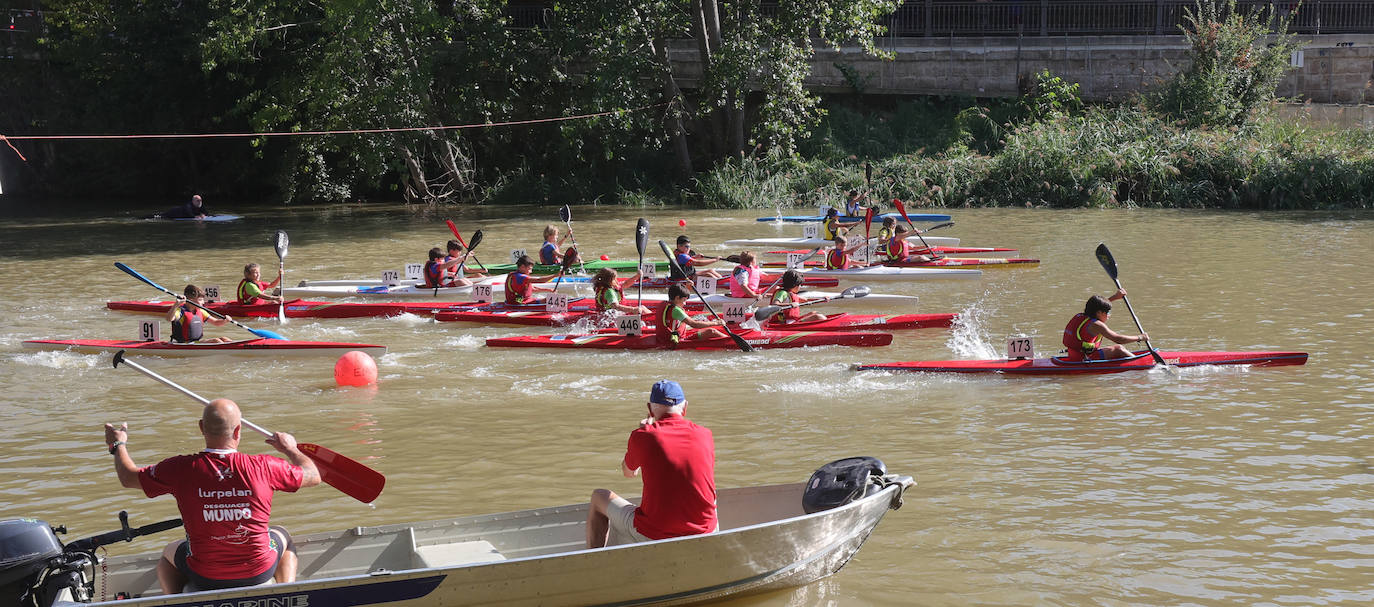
621	514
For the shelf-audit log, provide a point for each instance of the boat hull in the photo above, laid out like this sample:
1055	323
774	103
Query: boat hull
536	557
982	263
837	322
274	348
938	250
852	219
1141	361
304	309
758	339
889	274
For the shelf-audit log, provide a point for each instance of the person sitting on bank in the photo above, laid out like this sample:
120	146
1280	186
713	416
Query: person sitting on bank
677	460
1083	335
188	321
520	285
225	500
675	325
253	290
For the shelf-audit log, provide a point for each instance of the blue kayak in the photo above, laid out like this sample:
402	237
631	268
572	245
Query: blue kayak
847	219
238	217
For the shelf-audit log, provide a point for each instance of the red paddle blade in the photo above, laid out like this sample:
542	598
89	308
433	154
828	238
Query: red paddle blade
868	220
901	208
454	229
345	474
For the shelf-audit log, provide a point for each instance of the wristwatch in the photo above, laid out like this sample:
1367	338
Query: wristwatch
116	445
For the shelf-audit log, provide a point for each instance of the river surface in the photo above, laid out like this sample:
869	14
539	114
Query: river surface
1207	486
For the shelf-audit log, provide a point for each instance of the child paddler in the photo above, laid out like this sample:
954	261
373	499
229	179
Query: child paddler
548	253
885	234
438	268
688	260
838	257
188	321
675	325
830	226
787	295
610	292
520	285
744	280
1083	335
252	290
457	271
898	249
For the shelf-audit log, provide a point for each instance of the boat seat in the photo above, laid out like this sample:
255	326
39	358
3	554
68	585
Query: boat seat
456	553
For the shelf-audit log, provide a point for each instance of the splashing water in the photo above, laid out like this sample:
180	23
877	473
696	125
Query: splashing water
969	337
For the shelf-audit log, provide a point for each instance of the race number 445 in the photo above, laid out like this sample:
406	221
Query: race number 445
556	303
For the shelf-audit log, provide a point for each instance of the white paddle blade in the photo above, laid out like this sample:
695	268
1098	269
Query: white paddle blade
282	243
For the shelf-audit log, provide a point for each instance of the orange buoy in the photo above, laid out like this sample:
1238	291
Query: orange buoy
605	257
355	368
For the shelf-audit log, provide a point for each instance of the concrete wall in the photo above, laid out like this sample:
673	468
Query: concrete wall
1335	68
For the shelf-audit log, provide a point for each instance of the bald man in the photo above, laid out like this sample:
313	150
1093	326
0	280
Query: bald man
225	499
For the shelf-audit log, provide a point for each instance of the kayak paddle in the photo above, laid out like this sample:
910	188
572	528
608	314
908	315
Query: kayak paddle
1104	257
282	243
264	333
901	208
565	214
868	224
343	473
453	228
850	293
476	240
739	341
641	242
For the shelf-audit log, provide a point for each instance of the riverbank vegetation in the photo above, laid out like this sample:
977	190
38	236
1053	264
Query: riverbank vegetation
589	109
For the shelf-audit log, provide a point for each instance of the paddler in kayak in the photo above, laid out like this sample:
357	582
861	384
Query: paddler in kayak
786	295
520	285
853	206
830	226
675	325
885	234
838	257
188	321
252	290
1084	333
744	279
898	249
610	292
457	272
548	253
688	260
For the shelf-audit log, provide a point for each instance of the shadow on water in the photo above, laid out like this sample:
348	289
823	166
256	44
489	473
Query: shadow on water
36	230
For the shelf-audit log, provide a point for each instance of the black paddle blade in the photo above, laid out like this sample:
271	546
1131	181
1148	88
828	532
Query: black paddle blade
739	341
868	173
940	225
667	252
475	240
1104	257
565	214
118	358
641	237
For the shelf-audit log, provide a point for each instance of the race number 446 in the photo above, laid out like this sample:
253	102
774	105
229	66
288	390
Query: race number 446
629	325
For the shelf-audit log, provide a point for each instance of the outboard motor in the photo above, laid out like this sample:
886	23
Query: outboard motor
842	481
26	546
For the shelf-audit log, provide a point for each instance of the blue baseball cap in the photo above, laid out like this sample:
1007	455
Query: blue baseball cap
668	393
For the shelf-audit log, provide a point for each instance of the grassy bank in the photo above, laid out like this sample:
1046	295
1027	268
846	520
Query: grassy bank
950	152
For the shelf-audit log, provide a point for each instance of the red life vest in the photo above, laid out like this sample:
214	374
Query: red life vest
434	274
898	248
601	293
669	329
243	295
789	314
519	289
189	326
836	260
1074	339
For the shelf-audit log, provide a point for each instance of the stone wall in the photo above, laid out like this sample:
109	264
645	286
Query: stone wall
1334	68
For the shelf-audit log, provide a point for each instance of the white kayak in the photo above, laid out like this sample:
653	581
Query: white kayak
811	243
573	285
835	299
885	273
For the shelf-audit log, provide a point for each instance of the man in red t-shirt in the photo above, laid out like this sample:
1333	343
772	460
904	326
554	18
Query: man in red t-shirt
225	499
678	461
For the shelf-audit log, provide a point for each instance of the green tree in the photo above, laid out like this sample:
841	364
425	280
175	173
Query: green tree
1237	63
746	51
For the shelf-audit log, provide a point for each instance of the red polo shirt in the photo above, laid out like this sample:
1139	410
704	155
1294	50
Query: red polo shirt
677	460
225	502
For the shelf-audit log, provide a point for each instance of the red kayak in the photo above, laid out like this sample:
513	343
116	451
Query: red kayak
835	322
297	308
937	250
965	262
1141	361
270	347
765	279
757	339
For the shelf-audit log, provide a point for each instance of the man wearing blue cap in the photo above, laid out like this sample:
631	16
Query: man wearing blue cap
678	462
